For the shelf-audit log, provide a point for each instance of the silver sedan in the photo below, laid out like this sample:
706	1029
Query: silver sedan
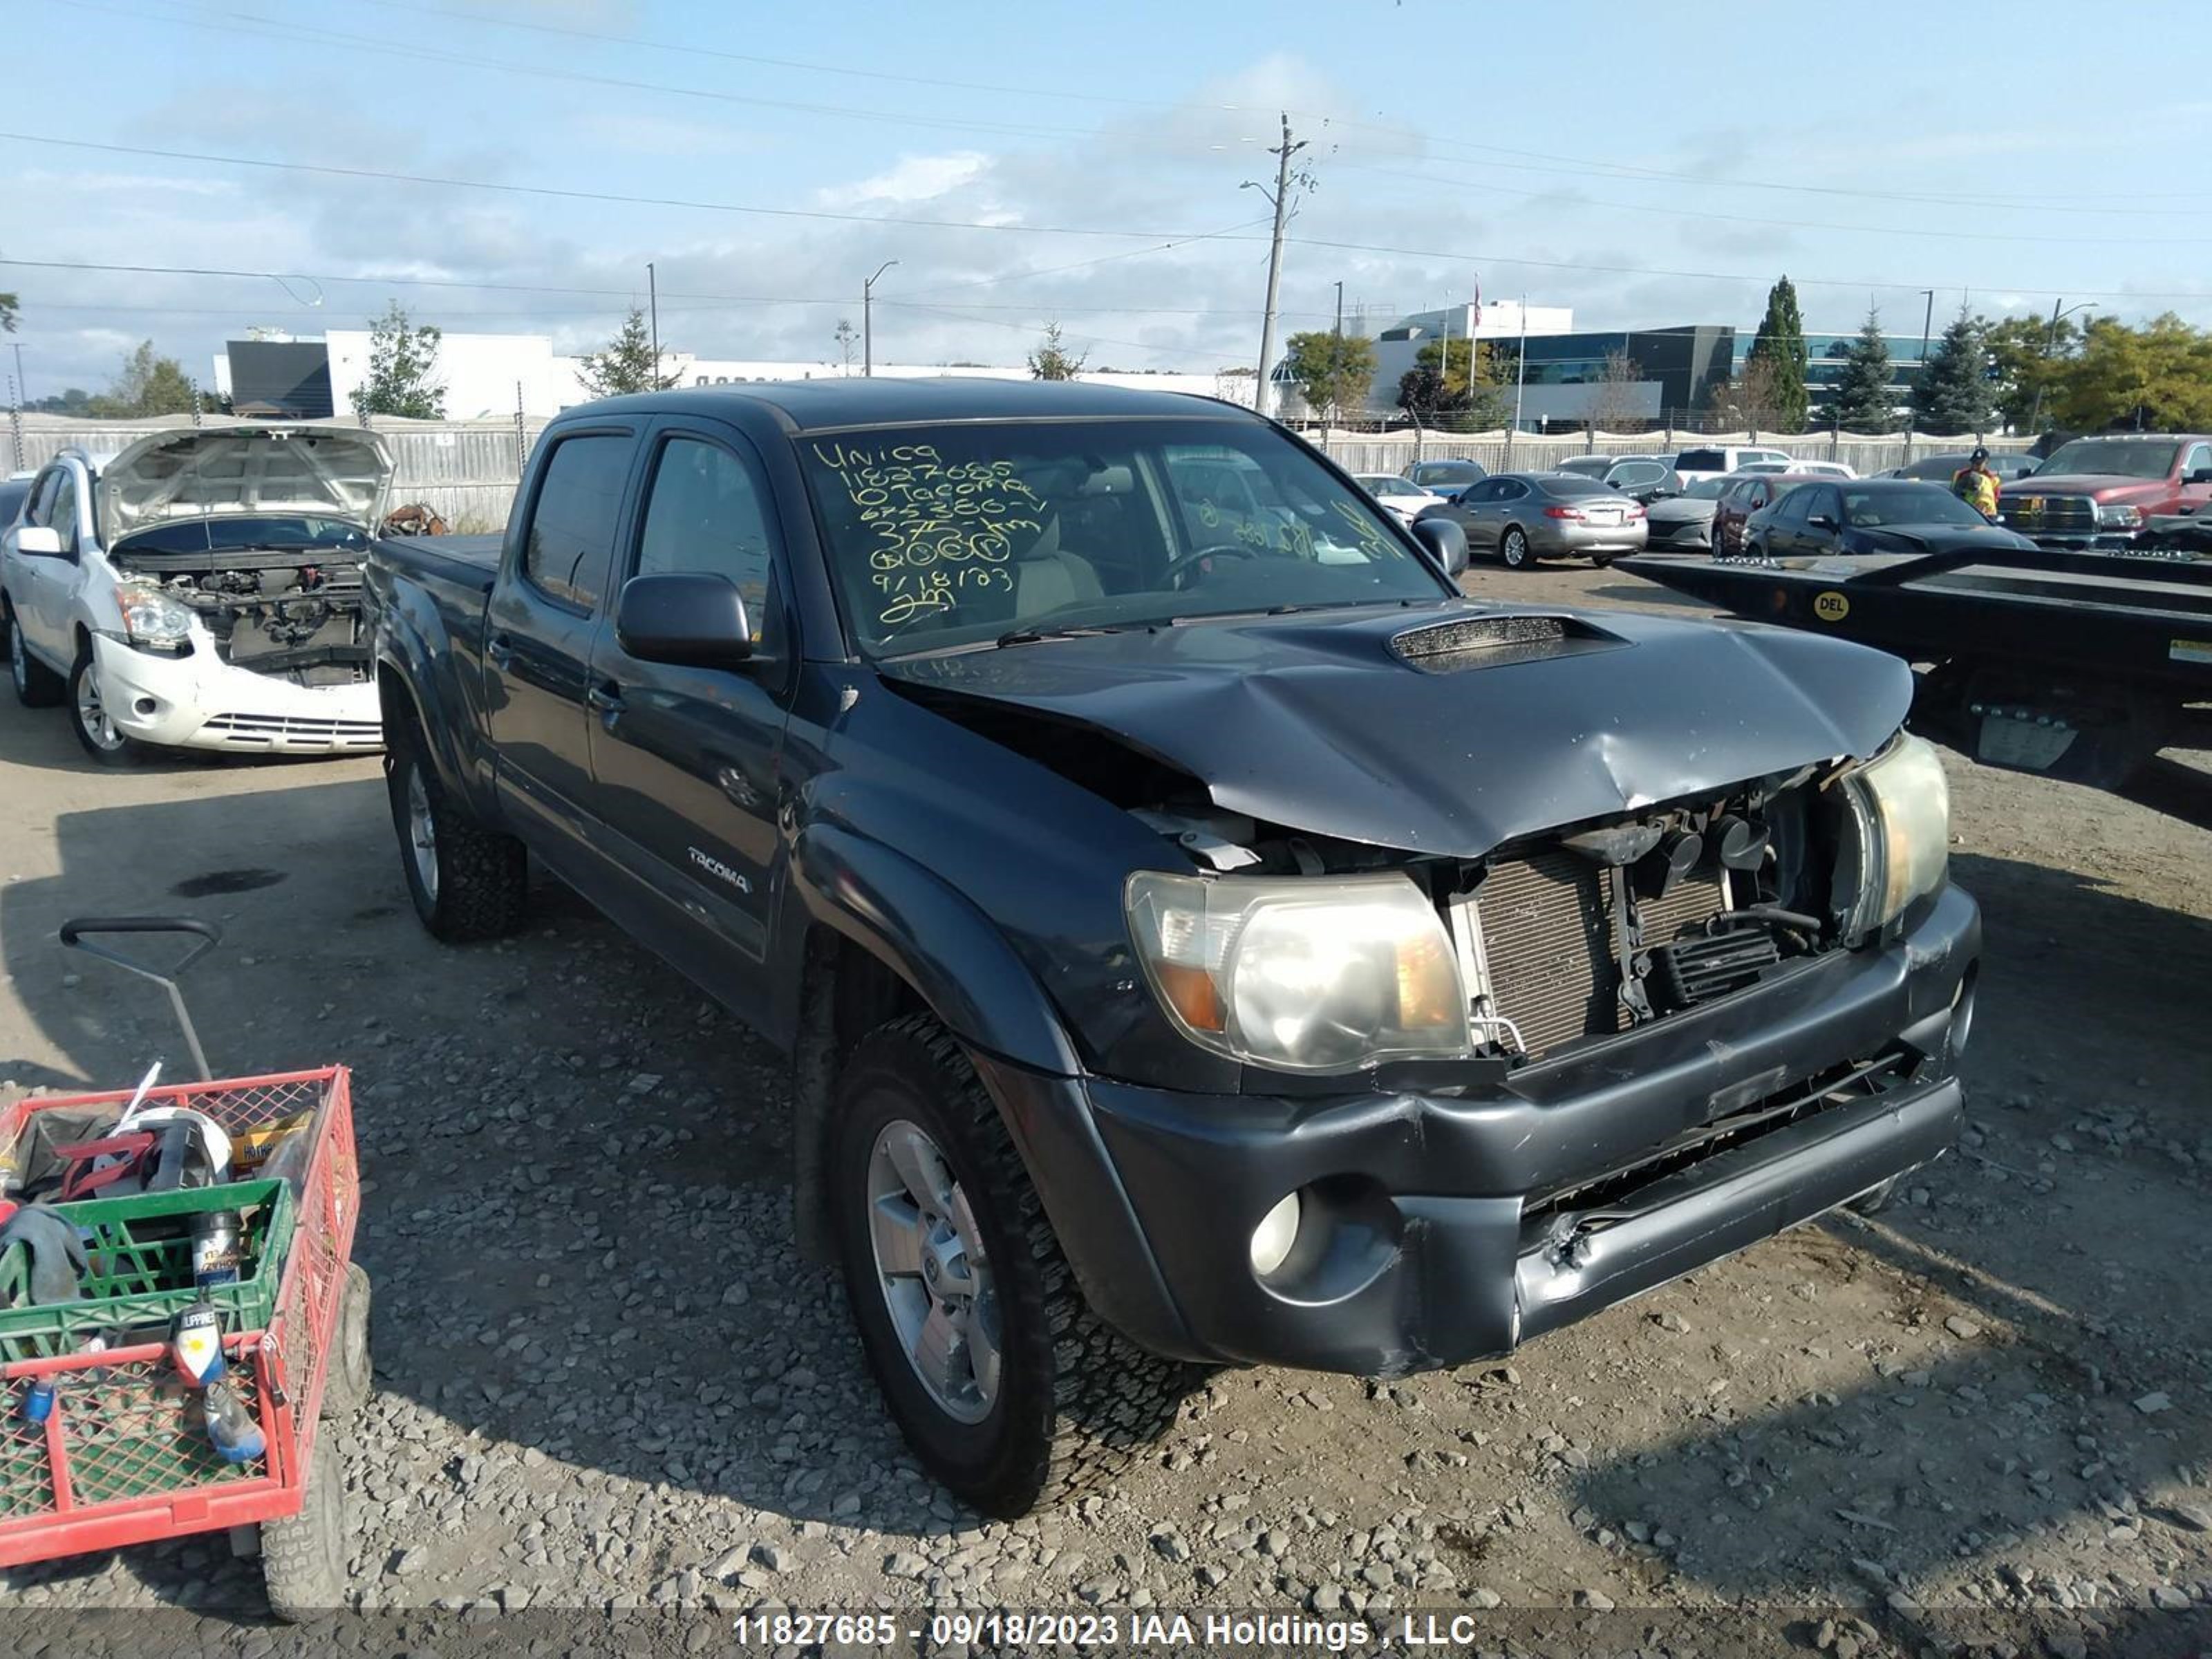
1522	517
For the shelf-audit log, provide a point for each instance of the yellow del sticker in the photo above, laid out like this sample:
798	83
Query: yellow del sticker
1831	606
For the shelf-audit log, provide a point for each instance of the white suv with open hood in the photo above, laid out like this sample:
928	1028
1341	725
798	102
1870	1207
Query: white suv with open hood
200	589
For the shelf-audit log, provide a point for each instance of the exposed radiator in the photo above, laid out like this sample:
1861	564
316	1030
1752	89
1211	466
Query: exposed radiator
1549	947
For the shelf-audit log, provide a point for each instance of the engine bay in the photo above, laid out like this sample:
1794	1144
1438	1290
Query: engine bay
291	614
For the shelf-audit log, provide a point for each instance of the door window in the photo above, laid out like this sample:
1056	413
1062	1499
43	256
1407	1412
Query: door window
62	515
1816	502
42	496
708	514
1476	495
572	526
1791	514
2199	458
1510	490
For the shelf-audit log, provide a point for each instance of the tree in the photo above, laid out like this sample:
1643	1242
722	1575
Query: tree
11	308
628	364
849	341
1752	402
1864	400
1332	371
2026	356
403	367
146	385
2156	378
1052	361
1780	343
1444	388
1952	394
1613	404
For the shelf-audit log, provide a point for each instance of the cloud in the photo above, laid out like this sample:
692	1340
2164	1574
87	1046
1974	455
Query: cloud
667	135
912	178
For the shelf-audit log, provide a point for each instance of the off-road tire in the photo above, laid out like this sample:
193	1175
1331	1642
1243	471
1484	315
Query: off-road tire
1515	537
483	884
1076	1400
37	686
351	1376
126	750
303	1556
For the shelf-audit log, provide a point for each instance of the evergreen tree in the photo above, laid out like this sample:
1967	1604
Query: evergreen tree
1053	361
403	366
1952	394
628	364
1780	342
1864	400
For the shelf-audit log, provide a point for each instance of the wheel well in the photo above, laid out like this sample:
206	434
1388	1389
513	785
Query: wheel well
850	992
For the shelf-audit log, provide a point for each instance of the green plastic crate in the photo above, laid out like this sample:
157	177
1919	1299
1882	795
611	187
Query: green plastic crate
142	1267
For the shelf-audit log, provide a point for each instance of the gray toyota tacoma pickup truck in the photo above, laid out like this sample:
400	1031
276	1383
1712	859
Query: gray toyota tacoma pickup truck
1203	936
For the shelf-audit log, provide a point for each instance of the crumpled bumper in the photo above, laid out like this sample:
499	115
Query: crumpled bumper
199	701
1440	1228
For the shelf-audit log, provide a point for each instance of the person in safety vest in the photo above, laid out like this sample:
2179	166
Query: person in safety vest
1976	485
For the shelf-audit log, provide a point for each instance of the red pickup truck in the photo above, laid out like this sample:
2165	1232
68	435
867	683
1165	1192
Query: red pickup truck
2096	492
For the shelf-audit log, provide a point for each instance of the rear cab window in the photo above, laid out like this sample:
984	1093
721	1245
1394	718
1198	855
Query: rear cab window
568	548
1701	460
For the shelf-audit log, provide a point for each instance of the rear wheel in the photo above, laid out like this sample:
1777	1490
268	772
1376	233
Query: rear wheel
90	717
1010	1390
1513	548
346	1385
37	686
467	882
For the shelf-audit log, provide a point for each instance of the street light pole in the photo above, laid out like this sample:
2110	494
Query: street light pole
1521	367
2050	350
652	300
868	320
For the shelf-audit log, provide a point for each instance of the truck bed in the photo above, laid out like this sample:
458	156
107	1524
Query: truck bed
465	561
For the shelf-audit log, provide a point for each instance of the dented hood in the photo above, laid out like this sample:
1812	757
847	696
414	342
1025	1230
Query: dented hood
243	472
1318	724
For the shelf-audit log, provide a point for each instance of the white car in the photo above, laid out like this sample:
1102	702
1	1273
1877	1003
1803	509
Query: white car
1717	461
1836	470
1402	498
200	589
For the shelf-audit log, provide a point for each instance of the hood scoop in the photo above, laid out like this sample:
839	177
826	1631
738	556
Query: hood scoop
1494	641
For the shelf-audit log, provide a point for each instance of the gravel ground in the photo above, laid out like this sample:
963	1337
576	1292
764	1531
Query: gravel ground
606	1381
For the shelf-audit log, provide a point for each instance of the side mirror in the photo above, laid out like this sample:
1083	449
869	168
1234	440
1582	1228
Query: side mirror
2202	474
1821	521
695	620
38	541
1445	540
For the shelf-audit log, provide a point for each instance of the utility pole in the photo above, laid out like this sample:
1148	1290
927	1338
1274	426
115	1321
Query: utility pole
1279	200
653	300
22	386
1927	324
868	319
2050	354
1520	365
1336	364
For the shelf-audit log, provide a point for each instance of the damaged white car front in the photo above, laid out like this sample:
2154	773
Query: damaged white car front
216	594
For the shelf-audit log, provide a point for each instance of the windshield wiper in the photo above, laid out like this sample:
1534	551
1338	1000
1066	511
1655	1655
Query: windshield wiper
1033	635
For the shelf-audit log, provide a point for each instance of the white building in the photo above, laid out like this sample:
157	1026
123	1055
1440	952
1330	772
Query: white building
487	375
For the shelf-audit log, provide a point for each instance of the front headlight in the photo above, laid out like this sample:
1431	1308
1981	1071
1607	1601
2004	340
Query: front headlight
1305	975
2119	518
152	620
1900	808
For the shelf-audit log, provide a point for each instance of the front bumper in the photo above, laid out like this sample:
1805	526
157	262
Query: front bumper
1694	537
1453	1225
199	701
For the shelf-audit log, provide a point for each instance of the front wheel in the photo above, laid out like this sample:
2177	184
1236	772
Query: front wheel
303	1556
1010	1390
467	882
351	1376
37	686
90	718
1514	549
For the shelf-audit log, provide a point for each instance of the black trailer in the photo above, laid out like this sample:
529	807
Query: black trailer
2076	665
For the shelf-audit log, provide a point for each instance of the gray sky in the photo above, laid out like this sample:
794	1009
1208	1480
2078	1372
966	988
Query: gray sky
1646	164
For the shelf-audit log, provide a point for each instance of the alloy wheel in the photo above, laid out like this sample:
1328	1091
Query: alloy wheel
421	833
934	1272
91	714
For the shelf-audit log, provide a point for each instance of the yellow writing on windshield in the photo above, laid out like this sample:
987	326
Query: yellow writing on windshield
938	530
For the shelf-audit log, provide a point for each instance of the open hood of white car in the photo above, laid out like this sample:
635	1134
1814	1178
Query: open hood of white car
241	472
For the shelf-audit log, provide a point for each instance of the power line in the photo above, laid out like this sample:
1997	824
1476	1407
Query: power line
386	176
249	23
1775	224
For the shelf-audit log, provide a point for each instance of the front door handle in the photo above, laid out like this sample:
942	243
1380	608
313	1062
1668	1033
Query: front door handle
606	698
499	651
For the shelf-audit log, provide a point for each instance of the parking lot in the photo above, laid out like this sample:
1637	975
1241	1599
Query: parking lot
605	1376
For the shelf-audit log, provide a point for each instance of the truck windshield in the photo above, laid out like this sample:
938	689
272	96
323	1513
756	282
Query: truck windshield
953	535
2123	458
